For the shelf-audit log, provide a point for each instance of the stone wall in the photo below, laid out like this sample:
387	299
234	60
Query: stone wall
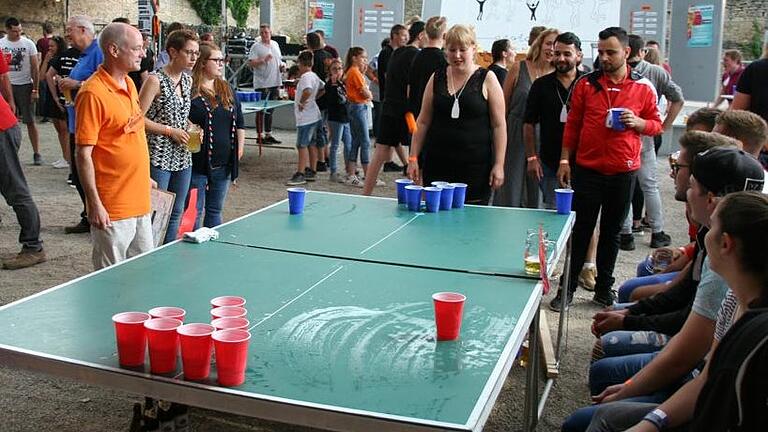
289	17
739	18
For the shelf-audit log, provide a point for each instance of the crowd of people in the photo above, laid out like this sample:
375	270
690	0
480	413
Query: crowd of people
683	345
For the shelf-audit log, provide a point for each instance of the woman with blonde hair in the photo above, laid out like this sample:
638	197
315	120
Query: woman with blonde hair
516	191
216	110
460	134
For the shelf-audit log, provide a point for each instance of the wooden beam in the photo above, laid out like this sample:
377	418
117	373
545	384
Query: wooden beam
547	349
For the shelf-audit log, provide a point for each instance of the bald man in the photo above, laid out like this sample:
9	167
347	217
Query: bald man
112	152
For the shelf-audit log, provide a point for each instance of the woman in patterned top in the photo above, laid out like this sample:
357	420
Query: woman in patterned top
165	98
218	113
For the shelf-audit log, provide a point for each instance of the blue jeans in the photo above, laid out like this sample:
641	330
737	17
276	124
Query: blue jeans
616	370
625	290
625	342
178	183
548	184
339	133
358	124
580	419
305	134
211	201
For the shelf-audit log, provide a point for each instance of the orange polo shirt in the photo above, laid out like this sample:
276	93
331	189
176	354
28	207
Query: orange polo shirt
354	84
110	119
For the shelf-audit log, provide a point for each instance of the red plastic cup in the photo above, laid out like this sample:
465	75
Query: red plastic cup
449	308
168	312
196	348
228	312
227	301
231	323
163	344
231	356
131	337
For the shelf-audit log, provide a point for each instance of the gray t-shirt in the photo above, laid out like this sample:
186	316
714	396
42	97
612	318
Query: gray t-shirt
710	293
18	56
267	74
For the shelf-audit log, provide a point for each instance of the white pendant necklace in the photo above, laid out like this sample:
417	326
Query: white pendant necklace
456	110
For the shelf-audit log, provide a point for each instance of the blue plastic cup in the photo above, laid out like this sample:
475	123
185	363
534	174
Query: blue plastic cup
413	197
432	198
296	200
564	199
459	194
616	123
401	184
242	96
446	196
439	183
256	96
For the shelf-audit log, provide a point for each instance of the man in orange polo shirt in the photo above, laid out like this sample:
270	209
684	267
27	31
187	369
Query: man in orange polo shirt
112	152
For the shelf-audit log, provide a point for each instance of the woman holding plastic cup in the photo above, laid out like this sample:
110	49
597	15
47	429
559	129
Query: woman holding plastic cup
165	98
461	129
216	110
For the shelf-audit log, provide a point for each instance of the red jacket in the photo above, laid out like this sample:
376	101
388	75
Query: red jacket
7	117
596	146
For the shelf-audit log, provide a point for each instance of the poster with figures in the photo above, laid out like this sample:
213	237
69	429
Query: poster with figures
513	19
320	17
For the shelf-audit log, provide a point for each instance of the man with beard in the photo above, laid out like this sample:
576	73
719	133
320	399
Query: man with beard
547	107
605	157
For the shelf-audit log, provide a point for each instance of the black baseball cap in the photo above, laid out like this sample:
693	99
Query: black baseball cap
723	170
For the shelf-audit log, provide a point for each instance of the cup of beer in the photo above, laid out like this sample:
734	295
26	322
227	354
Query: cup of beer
194	138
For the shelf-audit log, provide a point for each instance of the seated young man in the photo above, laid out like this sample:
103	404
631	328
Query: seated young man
653	377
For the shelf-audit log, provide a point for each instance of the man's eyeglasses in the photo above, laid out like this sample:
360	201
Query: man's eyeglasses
217	60
673	165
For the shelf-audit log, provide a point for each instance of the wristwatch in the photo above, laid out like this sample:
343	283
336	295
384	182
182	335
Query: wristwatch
657	418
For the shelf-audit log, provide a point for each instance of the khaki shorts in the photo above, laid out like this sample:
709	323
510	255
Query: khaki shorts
126	238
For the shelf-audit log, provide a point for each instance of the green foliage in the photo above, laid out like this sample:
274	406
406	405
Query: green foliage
756	42
210	10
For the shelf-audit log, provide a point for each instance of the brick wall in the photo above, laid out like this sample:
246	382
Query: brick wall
739	18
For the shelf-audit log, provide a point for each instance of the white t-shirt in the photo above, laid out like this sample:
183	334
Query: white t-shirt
267	74
311	112
17	55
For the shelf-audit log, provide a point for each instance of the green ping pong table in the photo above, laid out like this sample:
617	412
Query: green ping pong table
259	106
342	324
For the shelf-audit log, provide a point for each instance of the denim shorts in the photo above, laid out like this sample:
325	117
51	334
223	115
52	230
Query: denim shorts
305	135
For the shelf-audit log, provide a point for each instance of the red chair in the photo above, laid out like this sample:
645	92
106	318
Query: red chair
190	214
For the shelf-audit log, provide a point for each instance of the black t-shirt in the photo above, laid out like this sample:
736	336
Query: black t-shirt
336	102
500	72
224	149
424	64
319	59
63	64
147	65
544	106
754	82
398	71
381	72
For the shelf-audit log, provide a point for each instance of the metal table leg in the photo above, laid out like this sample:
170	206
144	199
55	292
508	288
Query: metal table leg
531	411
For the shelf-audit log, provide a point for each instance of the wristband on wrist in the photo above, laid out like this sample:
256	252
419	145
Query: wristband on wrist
658	418
628	381
532	158
564	162
413	158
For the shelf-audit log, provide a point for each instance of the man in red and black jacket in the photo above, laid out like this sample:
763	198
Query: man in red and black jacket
602	159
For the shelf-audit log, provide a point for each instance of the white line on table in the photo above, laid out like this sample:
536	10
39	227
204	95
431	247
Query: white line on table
296	298
389	235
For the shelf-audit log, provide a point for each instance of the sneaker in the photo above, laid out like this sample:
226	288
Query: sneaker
392	167
380	182
354	180
60	164
636	229
24	260
360	174
605	298
37	159
322	166
660	239
269	139
310	175
587	278
335	178
81	227
297	179
627	242
69	180
556	305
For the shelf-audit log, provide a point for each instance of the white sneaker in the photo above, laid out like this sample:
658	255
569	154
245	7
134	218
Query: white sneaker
380	182
353	180
60	164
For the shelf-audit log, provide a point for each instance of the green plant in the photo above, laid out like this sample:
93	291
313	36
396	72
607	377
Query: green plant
240	10
210	10
756	42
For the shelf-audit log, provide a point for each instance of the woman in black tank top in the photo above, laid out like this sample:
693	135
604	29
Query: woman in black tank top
461	132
